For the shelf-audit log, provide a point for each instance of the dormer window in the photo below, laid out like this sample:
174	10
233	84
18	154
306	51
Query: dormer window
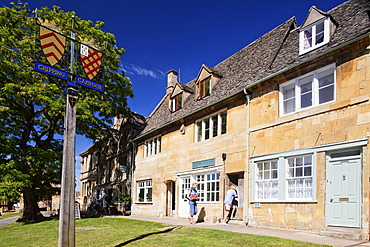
314	36
207	78
176	102
204	88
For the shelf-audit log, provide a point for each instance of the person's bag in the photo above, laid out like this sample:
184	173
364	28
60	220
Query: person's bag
193	197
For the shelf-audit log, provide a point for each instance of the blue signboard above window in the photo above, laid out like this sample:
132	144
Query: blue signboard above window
204	163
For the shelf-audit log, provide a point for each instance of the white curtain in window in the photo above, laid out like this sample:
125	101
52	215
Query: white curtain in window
307	42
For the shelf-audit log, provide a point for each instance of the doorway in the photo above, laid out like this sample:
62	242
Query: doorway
237	179
170	198
343	190
183	202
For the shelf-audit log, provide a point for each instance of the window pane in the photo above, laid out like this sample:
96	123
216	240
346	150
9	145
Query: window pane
291	172
154	146
266	165
319	33
141	195
266	174
274	174
207	86
260	175
299	161
223	122
288	91
274	165
299	172
307	42
289	106
326	86
326	94
149	195
289	98
206	128
308	188
215	125
199	131
308	171
306	92
179	101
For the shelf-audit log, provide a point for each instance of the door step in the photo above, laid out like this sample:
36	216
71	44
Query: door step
344	232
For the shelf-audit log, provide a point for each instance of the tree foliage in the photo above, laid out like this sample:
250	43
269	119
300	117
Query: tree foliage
32	104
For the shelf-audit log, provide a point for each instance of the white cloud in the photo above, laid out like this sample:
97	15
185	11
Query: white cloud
134	69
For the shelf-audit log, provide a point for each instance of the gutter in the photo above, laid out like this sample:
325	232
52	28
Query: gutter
256	82
247	172
132	171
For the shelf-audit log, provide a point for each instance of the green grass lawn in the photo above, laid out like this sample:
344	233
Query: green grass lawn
127	232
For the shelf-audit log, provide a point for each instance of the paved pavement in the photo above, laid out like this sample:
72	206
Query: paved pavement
242	228
6	221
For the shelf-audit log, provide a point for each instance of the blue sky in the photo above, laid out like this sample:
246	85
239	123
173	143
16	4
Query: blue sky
160	35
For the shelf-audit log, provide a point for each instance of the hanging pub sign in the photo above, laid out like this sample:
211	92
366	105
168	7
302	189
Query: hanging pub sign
55	52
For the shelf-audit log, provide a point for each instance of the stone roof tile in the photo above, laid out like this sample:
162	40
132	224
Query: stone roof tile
269	54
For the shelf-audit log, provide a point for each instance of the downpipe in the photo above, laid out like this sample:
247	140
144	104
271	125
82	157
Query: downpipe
247	172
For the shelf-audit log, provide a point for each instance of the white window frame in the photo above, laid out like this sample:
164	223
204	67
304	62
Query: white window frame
208	186
313	30
277	186
147	187
152	146
201	177
299	177
204	128
267	179
176	99
296	84
328	148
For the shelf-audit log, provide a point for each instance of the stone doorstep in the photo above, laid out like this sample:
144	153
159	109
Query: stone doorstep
237	222
343	232
341	235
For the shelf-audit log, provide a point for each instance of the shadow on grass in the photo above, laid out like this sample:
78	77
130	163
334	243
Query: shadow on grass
147	235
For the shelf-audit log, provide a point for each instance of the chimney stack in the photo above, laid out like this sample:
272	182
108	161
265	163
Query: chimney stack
171	80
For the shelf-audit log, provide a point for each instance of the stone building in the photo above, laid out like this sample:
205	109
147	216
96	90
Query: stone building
286	119
107	164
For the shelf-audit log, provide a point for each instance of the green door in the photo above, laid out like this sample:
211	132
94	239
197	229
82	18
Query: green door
343	197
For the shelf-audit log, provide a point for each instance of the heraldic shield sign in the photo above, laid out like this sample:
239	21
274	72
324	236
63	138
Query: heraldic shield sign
91	61
53	45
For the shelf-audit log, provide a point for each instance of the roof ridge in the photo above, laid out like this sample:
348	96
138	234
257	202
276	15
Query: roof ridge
256	40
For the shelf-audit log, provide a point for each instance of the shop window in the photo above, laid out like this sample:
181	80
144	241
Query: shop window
208	187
